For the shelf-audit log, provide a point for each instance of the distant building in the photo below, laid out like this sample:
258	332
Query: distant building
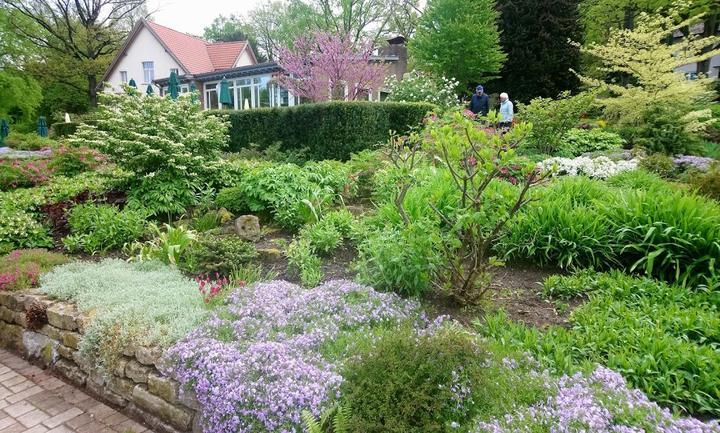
152	52
710	67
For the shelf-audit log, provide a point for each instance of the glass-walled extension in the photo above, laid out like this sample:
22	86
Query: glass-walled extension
250	92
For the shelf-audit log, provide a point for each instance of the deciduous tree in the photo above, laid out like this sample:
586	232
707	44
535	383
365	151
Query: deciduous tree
326	66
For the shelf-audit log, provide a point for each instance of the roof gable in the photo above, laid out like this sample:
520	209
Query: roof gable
224	55
190	51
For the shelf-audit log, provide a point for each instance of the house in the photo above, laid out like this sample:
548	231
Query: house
709	67
152	51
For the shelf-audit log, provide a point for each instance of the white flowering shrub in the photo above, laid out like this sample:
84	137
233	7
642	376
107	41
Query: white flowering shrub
171	147
419	87
600	167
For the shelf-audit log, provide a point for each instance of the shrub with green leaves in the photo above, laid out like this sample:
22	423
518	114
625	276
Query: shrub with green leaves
211	254
170	146
421	87
168	245
70	161
100	227
662	338
438	381
660	164
29	141
18	229
578	141
301	257
708	183
132	305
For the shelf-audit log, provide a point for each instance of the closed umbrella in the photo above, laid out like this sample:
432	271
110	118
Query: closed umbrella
225	97
173	85
42	128
132	83
149	91
4	130
194	93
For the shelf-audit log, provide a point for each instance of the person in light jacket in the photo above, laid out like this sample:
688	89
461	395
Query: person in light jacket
506	111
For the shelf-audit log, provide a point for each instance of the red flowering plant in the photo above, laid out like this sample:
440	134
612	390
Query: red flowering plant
477	160
22	173
21	269
215	288
72	160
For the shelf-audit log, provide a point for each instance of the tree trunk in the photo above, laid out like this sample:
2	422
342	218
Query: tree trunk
92	90
629	18
710	24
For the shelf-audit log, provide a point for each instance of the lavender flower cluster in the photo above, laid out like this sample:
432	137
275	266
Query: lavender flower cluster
598	403
256	364
700	163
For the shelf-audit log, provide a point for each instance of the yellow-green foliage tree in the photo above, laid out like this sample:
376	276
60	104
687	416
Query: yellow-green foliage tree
659	107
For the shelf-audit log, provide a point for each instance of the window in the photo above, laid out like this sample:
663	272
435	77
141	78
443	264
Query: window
148	72
123	77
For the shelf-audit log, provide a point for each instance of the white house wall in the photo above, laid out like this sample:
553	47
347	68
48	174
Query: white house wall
145	48
244	59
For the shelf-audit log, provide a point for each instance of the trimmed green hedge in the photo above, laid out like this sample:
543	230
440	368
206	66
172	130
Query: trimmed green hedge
329	130
64	129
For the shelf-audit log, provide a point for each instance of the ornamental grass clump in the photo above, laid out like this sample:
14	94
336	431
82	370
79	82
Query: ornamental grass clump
132	304
275	351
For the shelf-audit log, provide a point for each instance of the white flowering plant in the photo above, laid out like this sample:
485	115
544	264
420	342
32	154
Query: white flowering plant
420	87
170	146
600	167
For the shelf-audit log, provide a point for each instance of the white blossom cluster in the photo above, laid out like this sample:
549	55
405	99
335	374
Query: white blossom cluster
600	167
419	87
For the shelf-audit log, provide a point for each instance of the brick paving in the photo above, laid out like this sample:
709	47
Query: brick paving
34	401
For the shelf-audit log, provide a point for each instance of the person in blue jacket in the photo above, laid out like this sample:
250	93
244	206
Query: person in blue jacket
480	103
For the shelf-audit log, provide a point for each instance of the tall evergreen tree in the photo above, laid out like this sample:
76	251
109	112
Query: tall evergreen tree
536	35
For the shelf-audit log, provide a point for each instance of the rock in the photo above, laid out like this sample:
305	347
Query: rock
106	394
83	362
12	301
188	399
40	347
51	332
6	314
178	417
148	355
163	387
270	254
71	372
65	351
122	387
247	227
155	423
70	339
120	366
63	316
11	336
137	372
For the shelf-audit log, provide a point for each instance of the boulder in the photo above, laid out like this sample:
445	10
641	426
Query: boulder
247	227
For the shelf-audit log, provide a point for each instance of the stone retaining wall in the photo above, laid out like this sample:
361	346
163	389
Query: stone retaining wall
135	386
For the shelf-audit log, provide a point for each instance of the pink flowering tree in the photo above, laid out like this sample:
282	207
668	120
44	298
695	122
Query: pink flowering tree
320	67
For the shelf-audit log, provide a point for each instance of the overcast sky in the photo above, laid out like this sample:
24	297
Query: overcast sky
192	16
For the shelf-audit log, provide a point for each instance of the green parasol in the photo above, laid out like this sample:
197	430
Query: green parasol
173	85
225	97
149	91
4	130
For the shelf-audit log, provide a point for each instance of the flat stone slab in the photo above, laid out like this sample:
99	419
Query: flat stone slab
33	400
6	152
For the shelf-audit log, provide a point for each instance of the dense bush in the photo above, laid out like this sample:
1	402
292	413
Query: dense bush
29	141
329	130
19	229
171	147
64	129
132	305
22	173
21	269
420	87
71	161
659	230
100	228
660	164
212	254
662	338
578	141
707	184
292	194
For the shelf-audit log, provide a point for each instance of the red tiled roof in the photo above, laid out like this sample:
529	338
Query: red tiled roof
195	54
224	54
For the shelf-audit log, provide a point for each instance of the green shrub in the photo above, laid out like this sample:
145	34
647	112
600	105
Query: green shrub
708	183
71	161
169	246
132	304
323	236
29	141
438	381
64	129
170	146
212	254
660	164
23	173
303	260
99	228
638	179
663	339
579	141
21	269
18	229
328	130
